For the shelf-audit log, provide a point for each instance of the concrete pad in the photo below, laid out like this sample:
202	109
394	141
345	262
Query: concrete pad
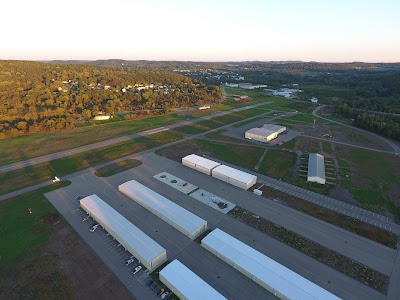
212	200
176	183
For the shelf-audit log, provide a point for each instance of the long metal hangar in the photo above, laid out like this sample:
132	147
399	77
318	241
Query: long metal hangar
316	168
199	163
231	175
277	279
186	284
145	249
234	176
178	217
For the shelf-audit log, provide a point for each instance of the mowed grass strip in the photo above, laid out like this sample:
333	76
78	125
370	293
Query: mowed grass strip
21	230
278	164
34	145
117	167
24	177
207	125
308	118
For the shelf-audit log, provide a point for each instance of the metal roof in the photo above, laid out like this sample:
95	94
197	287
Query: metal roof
187	283
186	221
234	173
201	161
263	268
316	166
132	236
274	127
261	132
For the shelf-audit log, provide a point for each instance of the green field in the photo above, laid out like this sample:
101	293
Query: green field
207	125
117	167
24	177
327	147
34	145
21	230
302	118
373	178
278	164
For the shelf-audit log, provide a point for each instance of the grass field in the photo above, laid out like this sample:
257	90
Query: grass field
24	177
117	167
302	117
206	125
34	145
373	179
278	164
42	257
327	147
20	230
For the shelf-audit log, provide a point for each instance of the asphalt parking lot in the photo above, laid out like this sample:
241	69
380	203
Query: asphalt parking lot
225	279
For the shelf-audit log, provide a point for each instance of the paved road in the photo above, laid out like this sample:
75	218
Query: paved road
395	148
78	150
213	270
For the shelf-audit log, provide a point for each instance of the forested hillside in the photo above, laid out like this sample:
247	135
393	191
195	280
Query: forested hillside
37	97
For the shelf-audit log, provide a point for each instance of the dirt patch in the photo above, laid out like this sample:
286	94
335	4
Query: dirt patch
341	194
64	268
89	277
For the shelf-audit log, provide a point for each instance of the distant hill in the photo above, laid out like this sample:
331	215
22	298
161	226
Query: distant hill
282	66
36	96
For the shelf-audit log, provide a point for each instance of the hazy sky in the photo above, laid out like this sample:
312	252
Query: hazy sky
204	30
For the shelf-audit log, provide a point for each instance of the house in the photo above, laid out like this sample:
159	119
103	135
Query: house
314	100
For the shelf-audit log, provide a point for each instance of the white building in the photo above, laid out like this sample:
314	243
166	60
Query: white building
314	100
186	284
176	216
316	168
145	249
235	177
260	134
274	127
199	163
271	275
101	117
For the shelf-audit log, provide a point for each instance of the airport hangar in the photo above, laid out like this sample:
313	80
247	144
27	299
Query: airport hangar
316	168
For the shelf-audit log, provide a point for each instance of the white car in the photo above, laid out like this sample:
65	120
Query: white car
94	227
129	261
136	270
163	296
85	219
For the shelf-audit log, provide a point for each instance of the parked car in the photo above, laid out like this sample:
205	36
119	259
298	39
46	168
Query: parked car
150	282
85	218
136	270
163	296
160	292
129	261
94	227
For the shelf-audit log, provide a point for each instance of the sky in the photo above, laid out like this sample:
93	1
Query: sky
206	30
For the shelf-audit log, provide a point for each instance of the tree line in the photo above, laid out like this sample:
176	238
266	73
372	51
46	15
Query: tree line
385	125
37	97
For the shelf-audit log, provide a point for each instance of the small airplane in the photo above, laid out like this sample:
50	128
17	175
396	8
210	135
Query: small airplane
56	179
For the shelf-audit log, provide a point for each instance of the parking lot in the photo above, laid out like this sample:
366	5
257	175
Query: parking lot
224	278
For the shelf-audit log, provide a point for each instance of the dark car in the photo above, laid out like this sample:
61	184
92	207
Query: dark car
150	282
